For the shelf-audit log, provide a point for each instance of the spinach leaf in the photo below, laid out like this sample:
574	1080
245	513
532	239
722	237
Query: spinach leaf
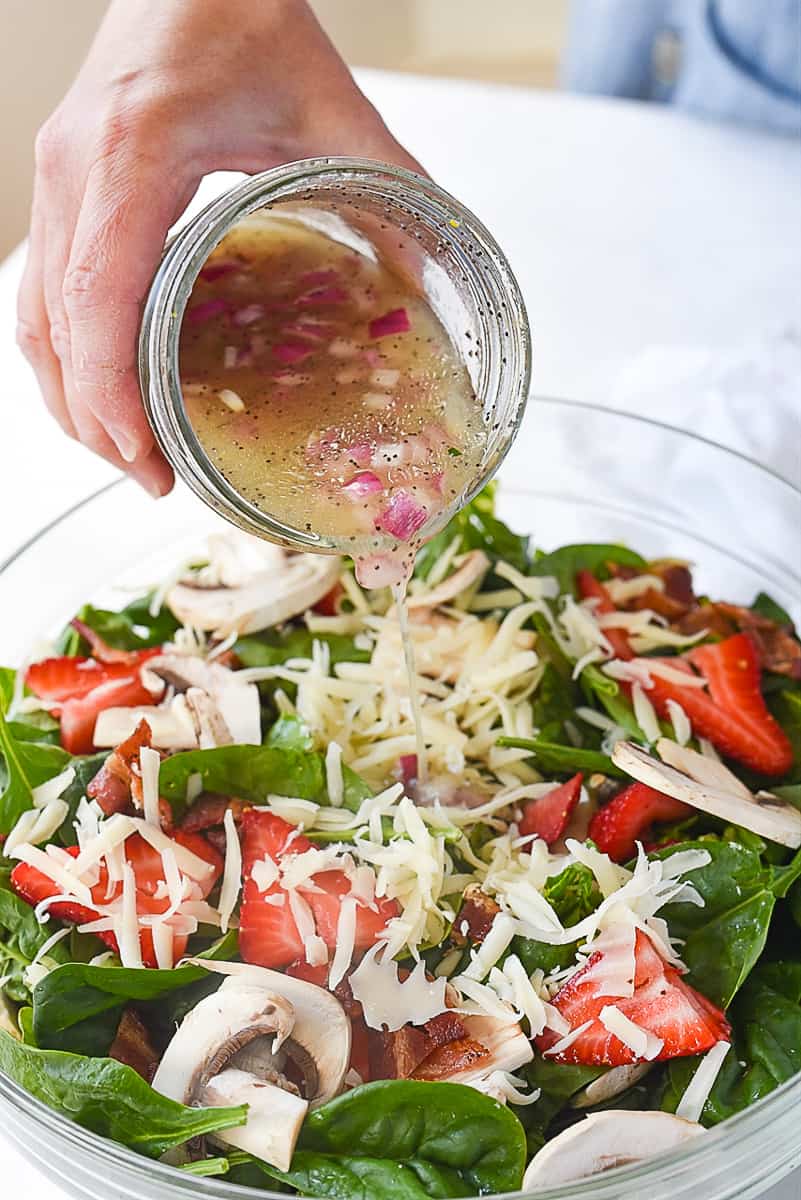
573	894
21	938
767	1045
766	606
68	1001
275	646
37	727
109	1098
250	772
558	1083
477	528
565	562
563	760
25	765
599	687
786	708
290	733
553	703
132	628
449	1139
723	940
85	767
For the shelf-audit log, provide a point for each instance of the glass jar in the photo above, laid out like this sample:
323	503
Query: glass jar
455	263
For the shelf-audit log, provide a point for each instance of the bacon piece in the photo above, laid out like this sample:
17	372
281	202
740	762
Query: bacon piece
478	911
454	1056
779	651
133	1047
117	786
209	810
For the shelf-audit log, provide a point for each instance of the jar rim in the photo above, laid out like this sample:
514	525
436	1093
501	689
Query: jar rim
457	228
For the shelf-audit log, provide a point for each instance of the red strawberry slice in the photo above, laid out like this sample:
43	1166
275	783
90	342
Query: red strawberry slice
268	933
620	824
733	715
78	716
34	886
549	815
591	588
72	676
662	1003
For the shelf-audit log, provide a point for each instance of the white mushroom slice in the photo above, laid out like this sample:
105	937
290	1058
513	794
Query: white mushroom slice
267	598
214	1031
275	1116
237	701
210	727
171	725
702	768
321	1027
765	815
605	1140
612	1083
472	568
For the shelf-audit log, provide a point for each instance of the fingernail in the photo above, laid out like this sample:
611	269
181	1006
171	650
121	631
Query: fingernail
152	487
126	445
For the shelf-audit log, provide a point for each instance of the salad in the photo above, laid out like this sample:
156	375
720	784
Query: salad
239	933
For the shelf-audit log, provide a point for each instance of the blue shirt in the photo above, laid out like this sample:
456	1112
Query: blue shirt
736	60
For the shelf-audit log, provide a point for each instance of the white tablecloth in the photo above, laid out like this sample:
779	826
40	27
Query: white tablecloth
654	252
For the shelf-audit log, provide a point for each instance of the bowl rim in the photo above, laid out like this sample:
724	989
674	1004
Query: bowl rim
749	1121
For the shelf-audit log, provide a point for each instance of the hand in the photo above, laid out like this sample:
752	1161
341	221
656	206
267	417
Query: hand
170	91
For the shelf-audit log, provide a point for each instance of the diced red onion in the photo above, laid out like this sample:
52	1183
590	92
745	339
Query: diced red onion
216	270
402	517
291	352
394	321
315	331
248	314
244	357
322	295
381	570
407	767
205	311
372	356
436	481
366	483
343	348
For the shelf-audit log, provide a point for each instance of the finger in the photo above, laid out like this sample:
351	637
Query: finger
33	326
153	473
127	209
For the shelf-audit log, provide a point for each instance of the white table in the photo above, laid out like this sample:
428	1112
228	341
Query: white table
630	228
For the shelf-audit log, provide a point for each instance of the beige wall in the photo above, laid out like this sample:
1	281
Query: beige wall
516	41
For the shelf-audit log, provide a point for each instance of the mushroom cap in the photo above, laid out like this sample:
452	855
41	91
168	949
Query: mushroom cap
213	1031
291	585
321	1026
605	1140
275	1116
766	815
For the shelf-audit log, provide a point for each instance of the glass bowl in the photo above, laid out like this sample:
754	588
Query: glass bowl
576	473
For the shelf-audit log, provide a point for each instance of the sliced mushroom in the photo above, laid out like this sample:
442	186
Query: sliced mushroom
764	814
291	584
612	1083
321	1032
605	1140
171	725
210	727
275	1115
472	568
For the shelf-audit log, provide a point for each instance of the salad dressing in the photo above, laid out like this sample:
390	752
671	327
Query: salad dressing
325	390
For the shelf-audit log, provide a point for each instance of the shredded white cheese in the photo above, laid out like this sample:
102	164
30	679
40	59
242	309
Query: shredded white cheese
389	1003
641	1042
149	765
232	871
697	1092
333	774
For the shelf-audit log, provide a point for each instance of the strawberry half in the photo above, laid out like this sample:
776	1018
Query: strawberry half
268	933
662	1003
73	676
78	716
549	815
620	824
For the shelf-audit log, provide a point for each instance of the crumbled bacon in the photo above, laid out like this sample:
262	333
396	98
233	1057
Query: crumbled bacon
673	601
779	651
475	916
446	1060
399	1054
209	810
133	1047
117	786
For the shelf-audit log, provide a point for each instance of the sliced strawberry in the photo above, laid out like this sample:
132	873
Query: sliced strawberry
78	716
268	934
34	886
549	815
620	824
733	716
328	606
591	588
73	676
662	1003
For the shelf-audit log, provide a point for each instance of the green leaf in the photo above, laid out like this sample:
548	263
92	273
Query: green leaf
766	606
132	628
553	703
565	562
767	1045
25	766
249	772
785	706
445	1135
110	1099
21	938
85	767
597	687
558	1083
723	940
477	528
290	733
563	760
274	646
352	1177
69	999
573	894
